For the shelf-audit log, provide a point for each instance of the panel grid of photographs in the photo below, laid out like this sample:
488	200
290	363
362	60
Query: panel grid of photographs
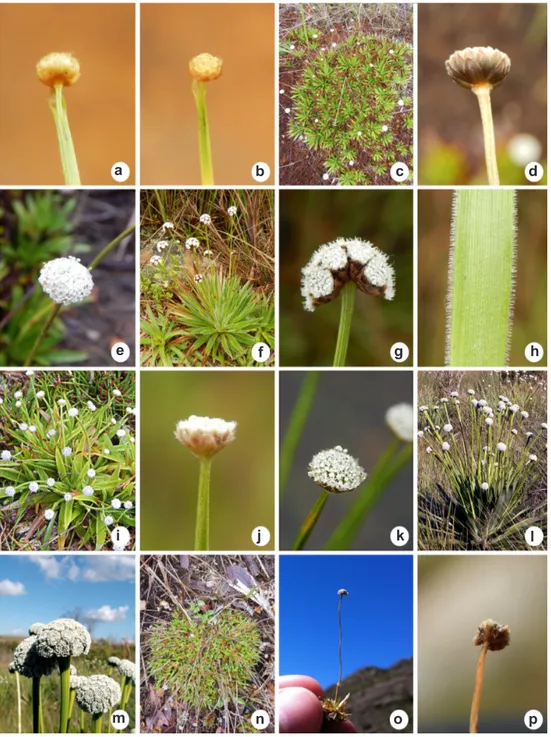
273	367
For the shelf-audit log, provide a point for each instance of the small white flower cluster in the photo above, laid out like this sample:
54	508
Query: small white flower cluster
399	418
205	219
63	638
198	278
232	211
335	470
192	243
97	694
65	280
205	436
155	259
161	245
168	226
343	260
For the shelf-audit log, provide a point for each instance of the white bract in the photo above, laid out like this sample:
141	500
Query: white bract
335	470
343	260
205	436
66	281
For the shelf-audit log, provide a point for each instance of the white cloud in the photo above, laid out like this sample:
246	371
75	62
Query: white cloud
50	565
99	568
106	614
11	588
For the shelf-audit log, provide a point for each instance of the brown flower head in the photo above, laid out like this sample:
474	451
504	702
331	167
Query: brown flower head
205	67
497	636
59	67
478	65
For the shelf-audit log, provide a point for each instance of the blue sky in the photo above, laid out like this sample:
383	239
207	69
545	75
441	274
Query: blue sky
40	588
377	616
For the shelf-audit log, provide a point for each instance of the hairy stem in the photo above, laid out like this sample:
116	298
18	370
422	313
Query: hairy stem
310	521
49	320
483	94
296	424
348	296
64	138
203	506
65	675
205	155
473	725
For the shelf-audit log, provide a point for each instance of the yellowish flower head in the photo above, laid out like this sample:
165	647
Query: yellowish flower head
59	67
205	67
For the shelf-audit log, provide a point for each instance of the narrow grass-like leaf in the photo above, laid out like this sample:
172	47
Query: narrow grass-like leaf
481	278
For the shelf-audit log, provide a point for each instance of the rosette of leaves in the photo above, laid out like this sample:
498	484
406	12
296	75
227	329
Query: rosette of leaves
353	103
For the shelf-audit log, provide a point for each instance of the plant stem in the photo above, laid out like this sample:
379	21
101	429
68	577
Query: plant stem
389	465
205	156
71	705
348	295
65	675
96	723
203	506
109	247
340	649
65	140
81	723
310	521
38	726
473	725
49	320
483	94
296	424
18	685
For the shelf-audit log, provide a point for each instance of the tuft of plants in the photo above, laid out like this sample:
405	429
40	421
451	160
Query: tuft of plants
482	466
67	459
353	103
204	659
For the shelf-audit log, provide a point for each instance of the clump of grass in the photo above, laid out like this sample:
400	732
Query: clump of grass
353	104
482	467
67	459
204	659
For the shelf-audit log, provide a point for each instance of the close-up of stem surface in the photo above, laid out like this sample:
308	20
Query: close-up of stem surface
481	278
348	296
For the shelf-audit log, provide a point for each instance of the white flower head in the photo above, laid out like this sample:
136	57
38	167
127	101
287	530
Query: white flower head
155	259
115	503
91	406
10	490
198	278
384	128
33	487
161	245
232	210
90	473
532	457
428	449
471	392
18	394
524	414
128	505
445	446
108	520
66	451
399	418
67	497
501	447
66	281
88	491
205	219
73	412
447	427
32	428
485	486
489	421
50	433
23	426
5	455
121	433
18	403
49	514
168	226
50	482
346	259
61	402
192	243
117	392
205	436
335	470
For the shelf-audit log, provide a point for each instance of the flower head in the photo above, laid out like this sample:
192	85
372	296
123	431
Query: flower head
192	243
168	226
49	514
205	219
115	503
128	505
10	490
127	669
198	278
484	486
205	436
478	66
65	280
495	635
108	520
33	487
67	497
155	259
66	451
161	245
232	210
205	67
501	447
400	420
29	662
90	473
88	491
343	260
91	406
445	446
447	427
59	67
97	694
335	470
5	455
63	638
50	482
73	412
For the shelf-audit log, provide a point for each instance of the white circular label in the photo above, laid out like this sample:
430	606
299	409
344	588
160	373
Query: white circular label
260	719
533	352
120	171
260	536
120	352
533	719
534	536
533	171
399	352
120	537
120	719
260	352
260	171
399	172
399	719
399	536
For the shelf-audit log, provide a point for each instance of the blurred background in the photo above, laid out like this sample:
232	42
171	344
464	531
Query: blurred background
450	130
100	105
240	103
242	476
456	594
530	312
309	218
348	410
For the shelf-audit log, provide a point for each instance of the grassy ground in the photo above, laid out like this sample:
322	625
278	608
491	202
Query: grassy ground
172	584
94	663
452	512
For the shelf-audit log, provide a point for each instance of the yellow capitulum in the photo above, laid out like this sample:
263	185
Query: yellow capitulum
59	67
205	67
